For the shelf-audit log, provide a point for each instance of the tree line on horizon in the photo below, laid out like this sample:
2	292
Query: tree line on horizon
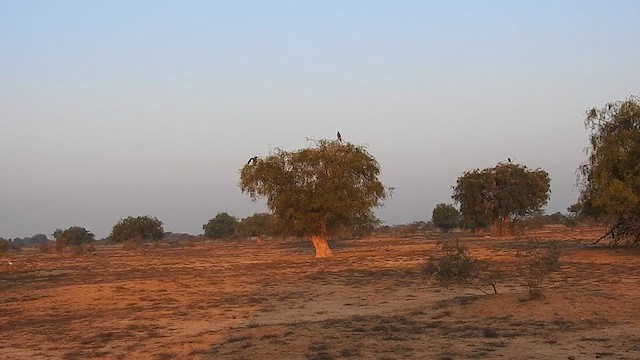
332	187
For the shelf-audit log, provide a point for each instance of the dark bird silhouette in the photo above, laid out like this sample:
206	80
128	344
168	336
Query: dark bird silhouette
253	159
339	137
509	160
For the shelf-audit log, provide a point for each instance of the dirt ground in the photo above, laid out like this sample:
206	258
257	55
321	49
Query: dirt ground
242	300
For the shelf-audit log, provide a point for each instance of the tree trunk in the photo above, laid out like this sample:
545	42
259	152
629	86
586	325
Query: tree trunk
502	227
321	246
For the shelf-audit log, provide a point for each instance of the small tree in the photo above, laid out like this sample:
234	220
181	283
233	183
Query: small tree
72	236
221	226
610	188
501	194
445	217
539	262
137	228
315	191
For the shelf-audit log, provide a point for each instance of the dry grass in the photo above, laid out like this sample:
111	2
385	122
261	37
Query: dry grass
241	300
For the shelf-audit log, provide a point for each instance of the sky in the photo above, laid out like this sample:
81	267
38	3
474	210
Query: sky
111	109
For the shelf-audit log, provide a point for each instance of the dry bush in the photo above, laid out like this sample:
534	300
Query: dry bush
135	243
46	247
189	243
538	263
84	249
453	265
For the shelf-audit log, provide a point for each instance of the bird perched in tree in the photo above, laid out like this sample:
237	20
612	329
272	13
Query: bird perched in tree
253	159
339	137
509	160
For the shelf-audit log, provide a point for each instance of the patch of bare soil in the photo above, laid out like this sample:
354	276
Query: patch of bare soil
242	300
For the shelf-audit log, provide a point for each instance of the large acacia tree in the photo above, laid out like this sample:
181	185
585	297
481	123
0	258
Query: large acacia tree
611	175
314	191
501	195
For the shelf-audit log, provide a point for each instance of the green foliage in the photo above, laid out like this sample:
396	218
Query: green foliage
500	195
538	264
72	236
610	188
221	226
445	217
453	265
142	227
317	190
259	224
472	192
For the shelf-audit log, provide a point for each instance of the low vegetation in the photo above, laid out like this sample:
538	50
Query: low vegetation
454	265
539	261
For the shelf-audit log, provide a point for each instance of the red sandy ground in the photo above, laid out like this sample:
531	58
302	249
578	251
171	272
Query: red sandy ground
241	300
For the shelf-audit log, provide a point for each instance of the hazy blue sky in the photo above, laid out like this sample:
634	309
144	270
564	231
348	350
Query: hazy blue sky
118	108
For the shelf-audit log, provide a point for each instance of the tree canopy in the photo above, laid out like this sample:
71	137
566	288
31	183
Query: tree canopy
316	190
72	236
221	226
258	224
143	228
500	195
445	217
610	186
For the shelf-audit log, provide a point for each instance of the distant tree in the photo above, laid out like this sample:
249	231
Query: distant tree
221	226
472	193
38	239
143	228
610	177
501	195
557	218
259	224
445	217
72	236
318	190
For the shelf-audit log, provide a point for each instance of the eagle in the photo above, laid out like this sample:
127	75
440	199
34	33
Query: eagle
339	137
253	159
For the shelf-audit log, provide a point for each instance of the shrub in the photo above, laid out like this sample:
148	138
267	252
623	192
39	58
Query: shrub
72	236
453	265
537	265
46	247
143	227
135	243
221	226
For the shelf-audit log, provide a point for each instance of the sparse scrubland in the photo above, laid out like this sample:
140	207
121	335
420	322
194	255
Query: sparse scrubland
542	289
242	300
